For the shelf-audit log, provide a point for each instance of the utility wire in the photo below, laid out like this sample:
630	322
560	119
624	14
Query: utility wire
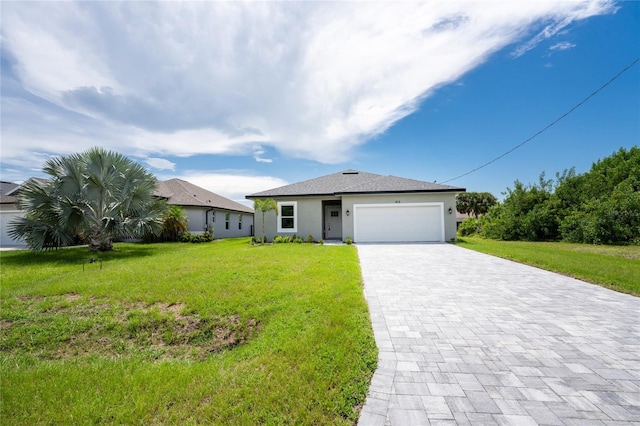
549	125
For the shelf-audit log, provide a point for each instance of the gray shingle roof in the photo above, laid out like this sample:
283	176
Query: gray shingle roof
354	182
7	188
183	193
10	191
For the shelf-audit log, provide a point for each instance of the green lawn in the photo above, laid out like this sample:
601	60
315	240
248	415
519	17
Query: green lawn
615	267
218	333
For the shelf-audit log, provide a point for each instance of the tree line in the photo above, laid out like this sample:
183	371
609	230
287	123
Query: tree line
601	206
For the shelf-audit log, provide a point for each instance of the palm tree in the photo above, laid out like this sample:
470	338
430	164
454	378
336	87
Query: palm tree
175	222
97	194
264	206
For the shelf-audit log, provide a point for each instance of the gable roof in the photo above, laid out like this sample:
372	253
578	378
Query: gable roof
6	188
354	182
182	193
10	191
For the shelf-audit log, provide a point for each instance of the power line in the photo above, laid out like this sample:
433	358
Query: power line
549	125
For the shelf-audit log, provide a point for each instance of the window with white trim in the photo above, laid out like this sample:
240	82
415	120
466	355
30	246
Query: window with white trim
226	220
288	216
239	221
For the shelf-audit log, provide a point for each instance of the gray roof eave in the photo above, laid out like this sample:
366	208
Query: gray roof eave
343	193
257	197
408	191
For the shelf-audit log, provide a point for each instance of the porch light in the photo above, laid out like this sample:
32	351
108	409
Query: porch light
348	212
450	210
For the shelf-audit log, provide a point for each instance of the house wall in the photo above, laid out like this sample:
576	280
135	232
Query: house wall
201	216
449	200
7	215
310	213
309	219
217	218
196	217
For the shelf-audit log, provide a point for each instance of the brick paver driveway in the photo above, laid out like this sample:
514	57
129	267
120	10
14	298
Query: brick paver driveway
467	338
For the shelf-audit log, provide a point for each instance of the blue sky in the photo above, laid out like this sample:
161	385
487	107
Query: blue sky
243	97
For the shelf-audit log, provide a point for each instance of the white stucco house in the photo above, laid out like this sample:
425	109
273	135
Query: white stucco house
207	210
366	207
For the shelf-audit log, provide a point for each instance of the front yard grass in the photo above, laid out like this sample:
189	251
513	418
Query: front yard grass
217	333
614	267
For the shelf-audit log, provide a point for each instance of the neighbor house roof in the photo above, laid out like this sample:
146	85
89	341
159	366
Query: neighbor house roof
9	191
6	188
354	182
182	193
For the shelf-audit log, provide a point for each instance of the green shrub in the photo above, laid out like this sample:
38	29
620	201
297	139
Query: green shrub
298	240
282	239
321	242
188	237
470	226
348	240
309	238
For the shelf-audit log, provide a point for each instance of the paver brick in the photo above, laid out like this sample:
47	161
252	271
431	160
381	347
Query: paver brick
515	420
471	339
445	389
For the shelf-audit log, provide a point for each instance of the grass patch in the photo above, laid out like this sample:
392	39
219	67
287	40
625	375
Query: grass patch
614	267
220	333
69	326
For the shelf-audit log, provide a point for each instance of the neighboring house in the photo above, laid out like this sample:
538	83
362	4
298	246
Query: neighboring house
8	212
206	210
364	206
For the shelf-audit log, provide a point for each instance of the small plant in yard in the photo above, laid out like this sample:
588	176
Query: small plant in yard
265	206
310	239
348	241
282	239
321	242
298	240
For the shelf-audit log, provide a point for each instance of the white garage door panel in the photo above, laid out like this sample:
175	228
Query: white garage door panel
398	223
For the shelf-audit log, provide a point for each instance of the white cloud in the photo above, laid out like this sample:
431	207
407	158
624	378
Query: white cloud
564	45
160	163
563	15
234	186
311	80
258	155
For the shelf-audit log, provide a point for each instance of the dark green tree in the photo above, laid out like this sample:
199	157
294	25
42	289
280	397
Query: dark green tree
97	194
475	203
528	212
603	205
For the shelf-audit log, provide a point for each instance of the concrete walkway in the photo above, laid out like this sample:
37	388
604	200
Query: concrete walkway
467	338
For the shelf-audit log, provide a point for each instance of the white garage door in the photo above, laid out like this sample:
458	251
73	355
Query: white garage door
415	222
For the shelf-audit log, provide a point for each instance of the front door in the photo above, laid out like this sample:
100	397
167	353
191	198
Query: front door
332	223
